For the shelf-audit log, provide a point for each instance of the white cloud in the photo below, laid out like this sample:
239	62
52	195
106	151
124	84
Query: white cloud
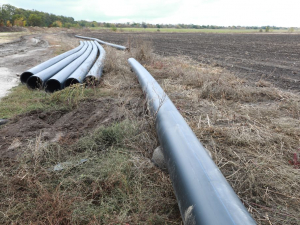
203	12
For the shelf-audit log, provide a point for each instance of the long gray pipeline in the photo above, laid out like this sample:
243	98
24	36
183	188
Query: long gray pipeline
57	82
96	71
38	80
203	194
79	74
24	76
120	47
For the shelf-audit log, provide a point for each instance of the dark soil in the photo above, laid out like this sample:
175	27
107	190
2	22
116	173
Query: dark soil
62	126
12	29
271	57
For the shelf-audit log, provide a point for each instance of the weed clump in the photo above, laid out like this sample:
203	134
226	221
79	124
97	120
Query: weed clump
142	50
105	137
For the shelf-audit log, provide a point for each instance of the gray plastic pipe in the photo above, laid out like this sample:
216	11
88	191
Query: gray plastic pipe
204	196
24	76
120	47
38	80
96	71
57	82
80	73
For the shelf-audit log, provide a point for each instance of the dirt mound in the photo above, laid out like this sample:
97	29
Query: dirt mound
62	126
12	29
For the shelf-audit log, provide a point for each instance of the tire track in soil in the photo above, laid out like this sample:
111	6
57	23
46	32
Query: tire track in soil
18	56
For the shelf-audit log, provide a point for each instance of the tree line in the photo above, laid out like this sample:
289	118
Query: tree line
13	16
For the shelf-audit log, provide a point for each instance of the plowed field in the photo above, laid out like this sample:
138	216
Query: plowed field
271	57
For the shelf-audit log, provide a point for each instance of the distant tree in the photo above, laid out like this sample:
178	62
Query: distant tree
94	24
21	22
34	20
291	29
113	28
260	30
7	12
8	24
76	25
144	25
57	24
267	29
68	25
134	24
107	25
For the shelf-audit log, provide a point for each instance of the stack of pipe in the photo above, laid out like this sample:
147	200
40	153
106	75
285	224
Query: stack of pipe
66	69
95	72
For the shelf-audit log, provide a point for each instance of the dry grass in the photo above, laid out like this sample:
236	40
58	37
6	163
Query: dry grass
115	186
252	130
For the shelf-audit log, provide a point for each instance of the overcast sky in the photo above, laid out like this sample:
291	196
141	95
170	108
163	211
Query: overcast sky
202	12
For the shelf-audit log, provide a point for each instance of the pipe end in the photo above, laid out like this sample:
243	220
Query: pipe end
34	82
25	76
52	86
71	81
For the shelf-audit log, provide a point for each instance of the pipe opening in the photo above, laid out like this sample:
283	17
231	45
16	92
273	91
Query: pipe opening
34	83
25	76
52	86
71	81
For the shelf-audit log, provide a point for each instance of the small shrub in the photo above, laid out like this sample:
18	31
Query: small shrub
267	29
143	51
114	28
70	95
57	24
105	137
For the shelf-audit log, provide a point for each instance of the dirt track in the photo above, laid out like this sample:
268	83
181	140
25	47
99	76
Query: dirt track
34	47
271	57
18	56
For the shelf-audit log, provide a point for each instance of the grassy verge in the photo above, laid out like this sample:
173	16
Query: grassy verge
22	100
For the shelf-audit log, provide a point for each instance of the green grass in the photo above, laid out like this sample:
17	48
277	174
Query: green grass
22	100
174	30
